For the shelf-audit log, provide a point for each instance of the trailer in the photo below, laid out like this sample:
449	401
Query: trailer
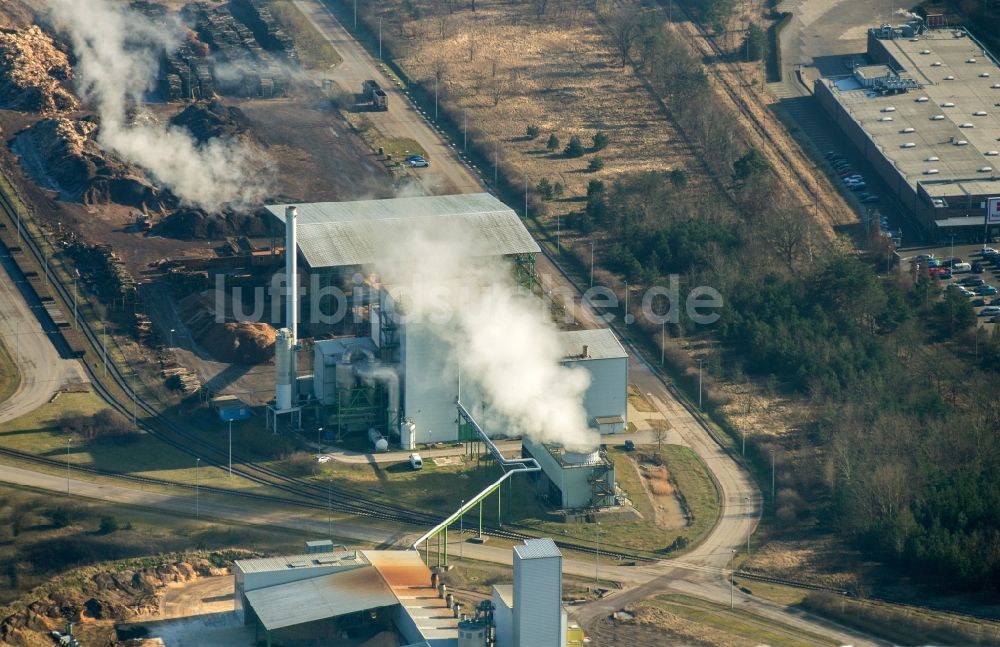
375	95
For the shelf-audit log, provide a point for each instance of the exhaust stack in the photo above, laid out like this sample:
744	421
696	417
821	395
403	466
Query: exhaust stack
284	347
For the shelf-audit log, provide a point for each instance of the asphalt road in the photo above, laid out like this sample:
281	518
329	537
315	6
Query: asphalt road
42	370
447	174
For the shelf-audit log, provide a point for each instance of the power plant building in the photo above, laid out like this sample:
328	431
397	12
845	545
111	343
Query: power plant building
926	115
306	598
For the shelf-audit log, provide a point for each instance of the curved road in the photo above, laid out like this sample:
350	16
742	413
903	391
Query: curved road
42	371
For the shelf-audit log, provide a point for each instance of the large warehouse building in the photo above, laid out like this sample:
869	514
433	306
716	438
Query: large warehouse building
926	115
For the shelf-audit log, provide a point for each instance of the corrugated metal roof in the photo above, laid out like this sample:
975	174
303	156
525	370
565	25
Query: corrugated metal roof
410	580
537	549
318	598
338	234
284	562
601	344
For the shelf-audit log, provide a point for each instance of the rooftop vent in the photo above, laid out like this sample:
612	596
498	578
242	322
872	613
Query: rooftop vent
992	153
933	158
931	171
937	117
908	145
979	113
967	125
995	86
961	142
908	130
970	60
936	64
984	75
885	118
889	109
925	51
949	78
921	99
948	104
985	169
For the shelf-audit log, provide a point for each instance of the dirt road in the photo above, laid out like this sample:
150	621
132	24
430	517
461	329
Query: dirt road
447	174
41	369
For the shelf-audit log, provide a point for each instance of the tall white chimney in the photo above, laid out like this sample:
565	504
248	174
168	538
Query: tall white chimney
291	273
284	347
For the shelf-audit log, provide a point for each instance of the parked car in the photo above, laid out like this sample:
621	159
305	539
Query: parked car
920	258
942	273
416	161
933	262
959	268
830	154
989	251
989	311
977	302
416	462
964	291
629	445
857	186
995	319
871	197
977	268
972	281
986	290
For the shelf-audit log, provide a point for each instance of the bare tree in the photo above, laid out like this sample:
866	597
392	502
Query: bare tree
626	28
660	435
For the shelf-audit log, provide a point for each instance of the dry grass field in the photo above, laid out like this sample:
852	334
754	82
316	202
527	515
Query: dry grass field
500	69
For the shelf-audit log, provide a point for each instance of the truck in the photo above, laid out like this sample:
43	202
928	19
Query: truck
375	95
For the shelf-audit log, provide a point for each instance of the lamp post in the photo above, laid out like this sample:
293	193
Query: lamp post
591	263
465	130
732	579
626	303
663	341
747	500
700	362
230	448
68	439
104	345
329	507
461	532
319	442
380	39
772	476
355	14
597	569
197	488
171	337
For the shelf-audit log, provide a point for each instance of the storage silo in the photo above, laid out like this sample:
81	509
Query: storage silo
473	632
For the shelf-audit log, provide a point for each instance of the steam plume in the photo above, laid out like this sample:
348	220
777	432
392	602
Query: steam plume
500	340
117	50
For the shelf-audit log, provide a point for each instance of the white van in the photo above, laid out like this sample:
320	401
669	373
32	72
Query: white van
958	268
416	462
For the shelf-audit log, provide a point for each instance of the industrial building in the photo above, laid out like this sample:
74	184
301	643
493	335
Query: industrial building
316	596
926	115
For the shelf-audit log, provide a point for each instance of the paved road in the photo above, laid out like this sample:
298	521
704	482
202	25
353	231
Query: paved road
447	174
42	370
682	575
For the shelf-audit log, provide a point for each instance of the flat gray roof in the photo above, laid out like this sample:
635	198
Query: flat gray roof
339	234
303	561
537	549
872	71
319	598
601	344
962	188
937	111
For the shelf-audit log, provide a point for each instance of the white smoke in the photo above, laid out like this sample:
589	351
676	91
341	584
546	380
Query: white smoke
117	51
500	340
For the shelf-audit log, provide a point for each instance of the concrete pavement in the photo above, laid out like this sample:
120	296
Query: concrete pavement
42	371
447	174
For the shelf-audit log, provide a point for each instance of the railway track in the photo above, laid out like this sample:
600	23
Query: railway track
808	186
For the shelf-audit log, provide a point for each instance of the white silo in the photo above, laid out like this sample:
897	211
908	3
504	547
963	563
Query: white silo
538	616
472	632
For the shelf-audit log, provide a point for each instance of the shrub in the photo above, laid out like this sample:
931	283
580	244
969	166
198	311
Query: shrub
558	190
59	517
108	525
678	178
544	189
596	164
553	142
301	463
574	148
600	140
532	131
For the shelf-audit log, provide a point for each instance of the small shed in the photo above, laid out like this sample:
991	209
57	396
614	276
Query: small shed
230	408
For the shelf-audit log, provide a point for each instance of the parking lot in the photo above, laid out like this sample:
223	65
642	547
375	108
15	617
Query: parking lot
988	272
